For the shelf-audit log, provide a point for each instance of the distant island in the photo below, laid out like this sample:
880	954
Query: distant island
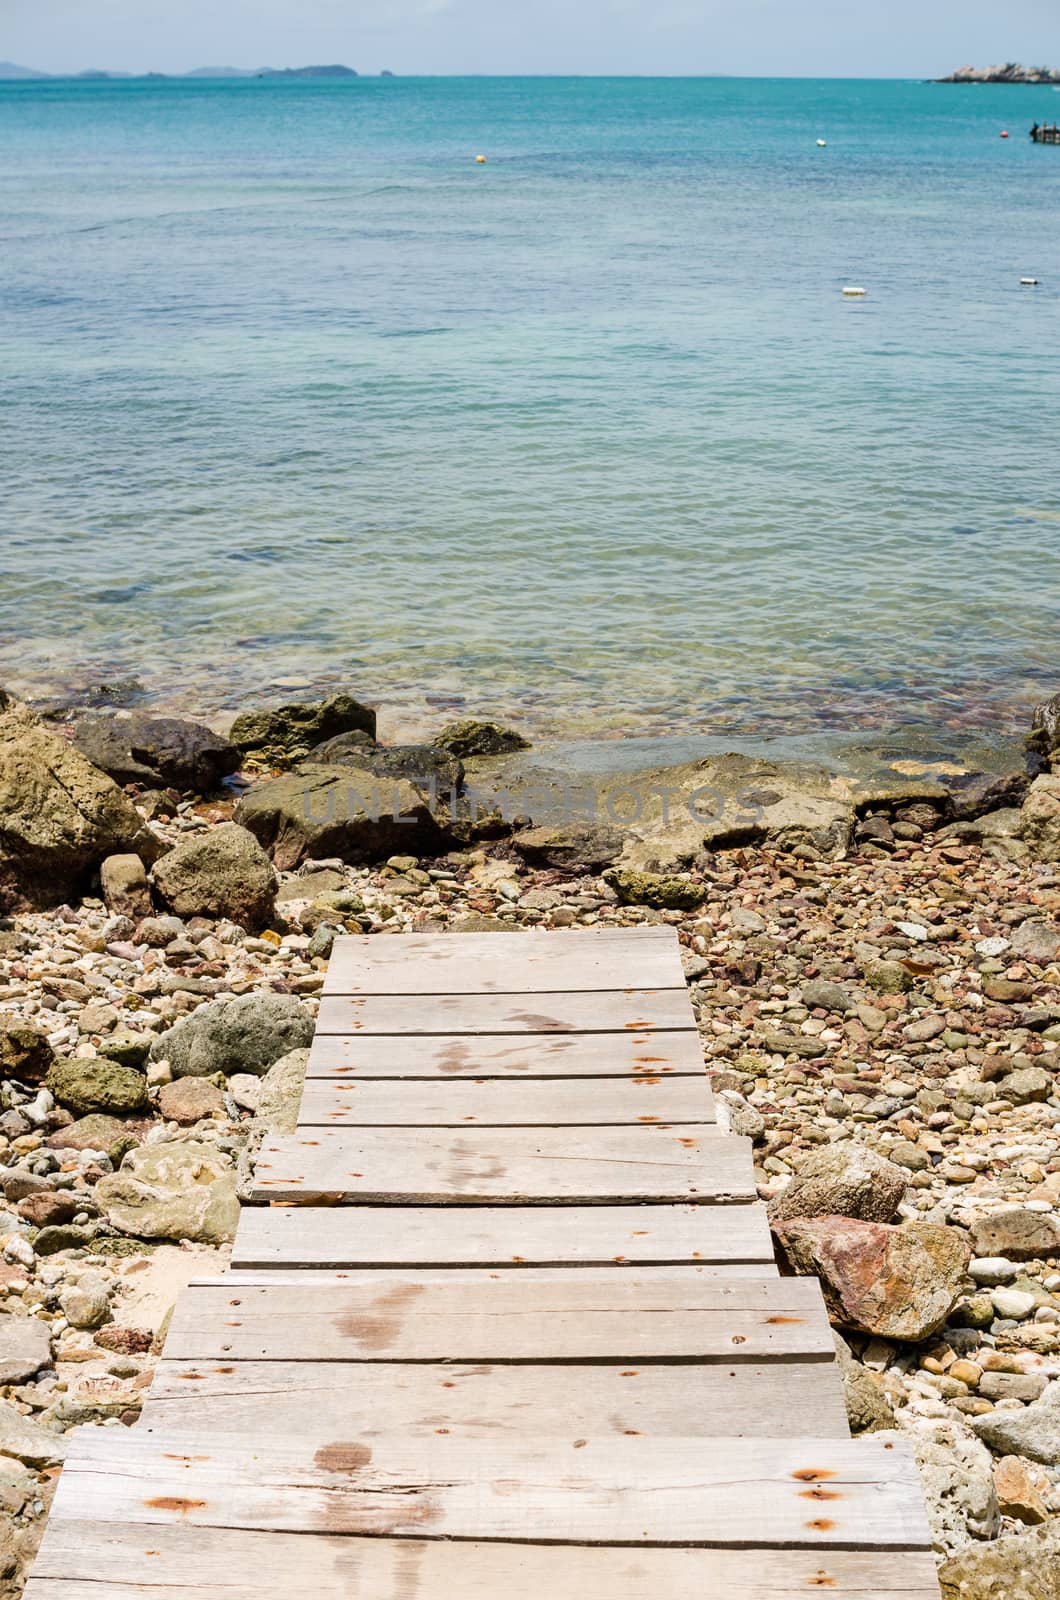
11	70
1010	72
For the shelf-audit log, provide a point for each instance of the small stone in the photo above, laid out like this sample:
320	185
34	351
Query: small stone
44	1210
130	1049
925	1028
188	1100
992	1269
25	1347
1012	1303
223	872
842	1180
1018	1491
1033	1431
177	1190
25	1054
245	1034
888	977
966	1372
96	1084
123	879
1018	1234
665	891
22	1439
1024	1087
1023	1566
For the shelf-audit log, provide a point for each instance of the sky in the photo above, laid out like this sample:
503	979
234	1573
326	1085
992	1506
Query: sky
892	38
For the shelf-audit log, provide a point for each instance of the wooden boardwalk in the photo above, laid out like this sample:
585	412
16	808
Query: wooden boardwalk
506	1325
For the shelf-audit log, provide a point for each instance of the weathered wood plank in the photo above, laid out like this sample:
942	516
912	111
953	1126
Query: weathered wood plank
364	1401
774	1493
500	1102
531	962
500	1055
510	1317
443	1236
607	1011
570	1166
86	1560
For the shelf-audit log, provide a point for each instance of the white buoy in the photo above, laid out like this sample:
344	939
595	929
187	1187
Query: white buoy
822	144
1029	283
854	291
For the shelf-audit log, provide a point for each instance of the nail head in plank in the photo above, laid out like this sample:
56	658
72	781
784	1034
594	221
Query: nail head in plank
85	1560
505	963
515	1317
777	1493
500	1102
657	1053
570	1166
475	1399
607	1011
445	1236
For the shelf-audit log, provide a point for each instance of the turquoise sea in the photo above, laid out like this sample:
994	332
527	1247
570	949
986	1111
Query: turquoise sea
294	393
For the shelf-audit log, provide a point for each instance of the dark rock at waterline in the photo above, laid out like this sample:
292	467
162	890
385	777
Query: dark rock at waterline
419	764
161	752
321	812
60	816
975	794
1044	736
288	733
473	737
575	848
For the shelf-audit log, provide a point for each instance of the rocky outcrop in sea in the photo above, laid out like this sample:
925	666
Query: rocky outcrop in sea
1007	72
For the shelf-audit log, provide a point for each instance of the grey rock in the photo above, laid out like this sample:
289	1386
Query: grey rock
1025	1086
1037	941
425	766
281	1092
183	1190
223	873
163	752
246	1034
25	1347
818	992
578	847
1033	1432
22	1439
123	880
956	1474
476	738
846	1180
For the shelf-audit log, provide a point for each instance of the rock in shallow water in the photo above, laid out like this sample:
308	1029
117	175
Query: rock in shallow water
898	1283
246	1034
289	732
163	752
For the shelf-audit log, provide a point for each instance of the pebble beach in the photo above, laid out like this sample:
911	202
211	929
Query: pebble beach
879	1010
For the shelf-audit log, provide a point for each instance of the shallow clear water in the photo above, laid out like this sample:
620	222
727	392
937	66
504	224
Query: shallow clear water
293	393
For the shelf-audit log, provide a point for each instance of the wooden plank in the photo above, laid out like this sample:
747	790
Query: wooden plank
364	1401
500	1102
609	1011
569	1166
499	1055
441	1236
87	1560
775	1493
534	962
511	1317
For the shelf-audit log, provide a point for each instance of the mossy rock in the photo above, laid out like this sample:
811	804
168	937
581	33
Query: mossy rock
96	1084
667	891
472	737
288	733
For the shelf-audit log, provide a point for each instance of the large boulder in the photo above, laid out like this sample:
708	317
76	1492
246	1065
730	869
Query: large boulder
842	1180
1041	818
160	752
59	815
1033	1431
1020	1566
223	872
287	734
897	1283
178	1190
472	737
245	1034
1045	727
25	1053
957	1477
92	1083
322	812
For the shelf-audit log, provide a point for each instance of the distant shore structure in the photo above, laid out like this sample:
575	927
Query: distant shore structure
1050	134
1008	72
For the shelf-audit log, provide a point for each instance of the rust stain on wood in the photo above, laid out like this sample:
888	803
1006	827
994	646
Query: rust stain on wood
342	1457
175	1503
